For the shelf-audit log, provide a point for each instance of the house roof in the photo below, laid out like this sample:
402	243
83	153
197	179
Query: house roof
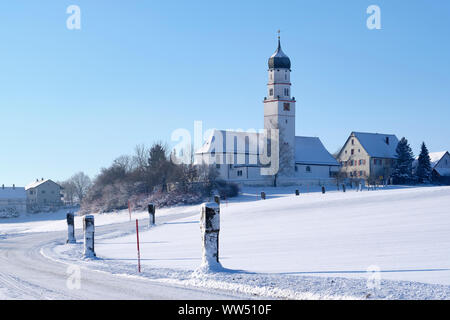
12	193
375	144
310	150
435	157
37	183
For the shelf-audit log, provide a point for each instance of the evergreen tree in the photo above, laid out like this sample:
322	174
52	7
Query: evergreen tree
423	171
402	172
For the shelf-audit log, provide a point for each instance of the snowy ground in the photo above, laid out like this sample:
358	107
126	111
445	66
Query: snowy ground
314	246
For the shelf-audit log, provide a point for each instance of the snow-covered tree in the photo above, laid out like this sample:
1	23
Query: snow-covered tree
423	171
402	172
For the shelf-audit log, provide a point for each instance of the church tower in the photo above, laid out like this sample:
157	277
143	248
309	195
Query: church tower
279	109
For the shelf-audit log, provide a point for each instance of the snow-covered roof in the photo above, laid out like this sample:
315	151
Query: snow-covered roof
12	193
435	157
310	150
243	142
378	145
37	183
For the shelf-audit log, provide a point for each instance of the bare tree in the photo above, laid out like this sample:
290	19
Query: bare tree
68	190
81	182
140	158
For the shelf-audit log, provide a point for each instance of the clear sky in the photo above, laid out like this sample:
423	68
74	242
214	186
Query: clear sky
73	100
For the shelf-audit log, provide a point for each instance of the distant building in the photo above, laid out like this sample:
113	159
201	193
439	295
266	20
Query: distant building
368	156
440	163
42	193
13	201
440	166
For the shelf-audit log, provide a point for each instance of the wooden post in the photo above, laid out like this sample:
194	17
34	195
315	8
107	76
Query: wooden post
210	228
89	229
138	250
151	212
70	227
217	199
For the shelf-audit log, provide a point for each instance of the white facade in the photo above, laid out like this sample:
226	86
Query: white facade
247	157
43	193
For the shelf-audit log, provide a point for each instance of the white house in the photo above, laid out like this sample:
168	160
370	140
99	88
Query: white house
368	156
13	201
274	155
43	193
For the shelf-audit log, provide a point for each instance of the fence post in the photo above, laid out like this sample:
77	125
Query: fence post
263	195
217	199
89	229
151	213
70	228
210	227
297	192
323	189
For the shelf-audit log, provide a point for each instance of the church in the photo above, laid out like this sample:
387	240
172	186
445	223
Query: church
274	156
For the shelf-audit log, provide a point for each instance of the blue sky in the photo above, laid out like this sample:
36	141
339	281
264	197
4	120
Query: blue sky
73	100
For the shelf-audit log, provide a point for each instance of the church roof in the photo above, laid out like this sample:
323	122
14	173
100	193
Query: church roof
279	59
243	142
378	145
310	150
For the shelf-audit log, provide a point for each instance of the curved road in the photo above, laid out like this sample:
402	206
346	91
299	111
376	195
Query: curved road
26	274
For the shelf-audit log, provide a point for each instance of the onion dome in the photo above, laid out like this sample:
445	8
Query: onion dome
279	60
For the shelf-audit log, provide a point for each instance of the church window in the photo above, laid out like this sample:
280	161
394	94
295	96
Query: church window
286	106
239	173
308	169
285	76
271	92
286	92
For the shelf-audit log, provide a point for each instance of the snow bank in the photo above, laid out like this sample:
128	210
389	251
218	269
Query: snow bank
317	246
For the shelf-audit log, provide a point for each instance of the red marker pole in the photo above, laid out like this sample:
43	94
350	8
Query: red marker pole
138	251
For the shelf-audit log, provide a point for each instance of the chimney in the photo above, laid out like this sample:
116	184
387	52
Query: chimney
42	179
37	179
387	140
14	187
